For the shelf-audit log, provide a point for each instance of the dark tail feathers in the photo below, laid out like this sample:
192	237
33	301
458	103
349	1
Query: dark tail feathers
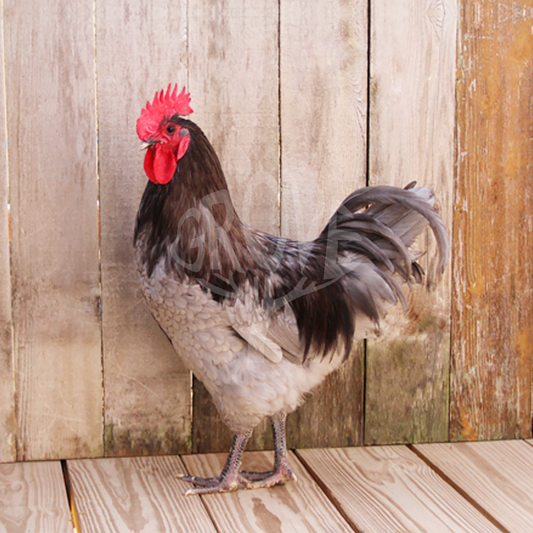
382	222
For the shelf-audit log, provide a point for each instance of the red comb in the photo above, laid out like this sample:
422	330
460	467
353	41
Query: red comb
164	106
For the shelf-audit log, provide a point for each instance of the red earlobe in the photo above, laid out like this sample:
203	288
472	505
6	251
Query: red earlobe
182	146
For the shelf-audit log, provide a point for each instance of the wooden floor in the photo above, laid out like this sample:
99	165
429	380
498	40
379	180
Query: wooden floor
464	487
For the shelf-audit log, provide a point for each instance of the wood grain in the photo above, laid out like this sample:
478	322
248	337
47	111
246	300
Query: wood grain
49	65
7	390
33	498
492	347
411	137
323	81
497	475
298	506
141	48
390	489
323	77
233	78
135	494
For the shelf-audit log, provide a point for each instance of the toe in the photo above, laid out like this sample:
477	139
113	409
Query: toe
256	476
222	486
199	481
282	475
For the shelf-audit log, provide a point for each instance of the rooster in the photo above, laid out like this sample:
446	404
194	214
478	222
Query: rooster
261	320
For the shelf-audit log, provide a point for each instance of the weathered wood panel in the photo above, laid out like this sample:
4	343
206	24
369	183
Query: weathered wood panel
33	498
7	390
492	346
49	62
300	506
141	47
233	78
498	476
411	137
390	489
135	494
323	80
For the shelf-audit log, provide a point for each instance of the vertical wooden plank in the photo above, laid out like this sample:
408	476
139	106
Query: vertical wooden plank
492	343
33	498
49	54
7	389
411	138
323	80
141	47
233	78
323	69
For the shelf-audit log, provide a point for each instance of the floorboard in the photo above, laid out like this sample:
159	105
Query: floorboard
296	507
140	495
390	489
33	498
498	475
475	487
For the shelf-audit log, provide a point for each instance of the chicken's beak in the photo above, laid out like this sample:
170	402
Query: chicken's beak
148	144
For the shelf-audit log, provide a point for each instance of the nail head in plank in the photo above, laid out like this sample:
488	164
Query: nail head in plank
298	506
498	475
139	494
33	498
390	489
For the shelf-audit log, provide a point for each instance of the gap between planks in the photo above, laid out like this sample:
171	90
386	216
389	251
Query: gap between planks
74	516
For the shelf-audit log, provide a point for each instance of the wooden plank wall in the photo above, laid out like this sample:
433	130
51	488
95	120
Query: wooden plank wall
304	102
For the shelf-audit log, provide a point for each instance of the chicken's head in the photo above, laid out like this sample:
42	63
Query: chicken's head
166	141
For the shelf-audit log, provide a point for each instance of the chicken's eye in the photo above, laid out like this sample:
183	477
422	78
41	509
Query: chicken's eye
171	129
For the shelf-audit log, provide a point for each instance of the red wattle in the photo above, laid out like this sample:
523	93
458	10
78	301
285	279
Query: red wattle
164	165
160	164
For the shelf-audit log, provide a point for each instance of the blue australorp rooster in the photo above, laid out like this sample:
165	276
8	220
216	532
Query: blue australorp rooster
259	319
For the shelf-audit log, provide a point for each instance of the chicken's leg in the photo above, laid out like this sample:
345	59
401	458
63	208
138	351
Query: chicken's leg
282	472
230	478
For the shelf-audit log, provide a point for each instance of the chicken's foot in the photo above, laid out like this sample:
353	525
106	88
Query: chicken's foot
282	472
230	478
